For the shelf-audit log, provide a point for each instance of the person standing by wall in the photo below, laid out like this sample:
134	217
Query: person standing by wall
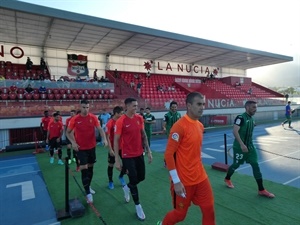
149	119
189	180
130	129
244	149
82	135
288	115
54	134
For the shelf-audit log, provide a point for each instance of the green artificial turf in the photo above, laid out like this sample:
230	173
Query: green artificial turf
238	206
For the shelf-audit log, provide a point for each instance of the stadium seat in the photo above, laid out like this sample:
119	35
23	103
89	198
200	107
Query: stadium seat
80	91
70	96
28	96
74	91
4	96
57	96
43	96
77	96
12	96
95	96
64	96
36	96
89	96
50	96
92	92
4	90
55	91
20	91
20	96
62	91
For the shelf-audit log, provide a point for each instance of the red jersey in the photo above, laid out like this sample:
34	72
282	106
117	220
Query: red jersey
129	130
183	151
110	129
84	130
54	129
45	122
68	121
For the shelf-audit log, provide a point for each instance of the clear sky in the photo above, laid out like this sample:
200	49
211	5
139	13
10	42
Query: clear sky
267	25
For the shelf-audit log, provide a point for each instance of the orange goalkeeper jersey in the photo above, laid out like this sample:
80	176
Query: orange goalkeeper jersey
183	151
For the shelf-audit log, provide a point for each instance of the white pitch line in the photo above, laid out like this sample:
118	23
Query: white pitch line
291	180
268	141
214	149
259	143
268	160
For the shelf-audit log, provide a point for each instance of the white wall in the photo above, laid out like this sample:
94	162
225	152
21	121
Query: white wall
57	61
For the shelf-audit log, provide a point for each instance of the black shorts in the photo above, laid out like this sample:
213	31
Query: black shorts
54	144
68	142
45	134
86	156
135	167
111	159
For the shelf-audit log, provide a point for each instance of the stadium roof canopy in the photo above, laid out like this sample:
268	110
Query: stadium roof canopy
28	24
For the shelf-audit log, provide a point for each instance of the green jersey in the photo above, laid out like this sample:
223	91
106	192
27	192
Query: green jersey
171	118
148	117
246	124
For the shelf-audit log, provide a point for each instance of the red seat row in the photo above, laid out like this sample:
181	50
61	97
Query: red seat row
26	96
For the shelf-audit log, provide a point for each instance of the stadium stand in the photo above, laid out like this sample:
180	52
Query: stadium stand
157	91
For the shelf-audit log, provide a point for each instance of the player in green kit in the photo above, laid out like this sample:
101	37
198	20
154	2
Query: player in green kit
149	119
170	118
243	148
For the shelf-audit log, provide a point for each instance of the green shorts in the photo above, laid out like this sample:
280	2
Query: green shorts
241	157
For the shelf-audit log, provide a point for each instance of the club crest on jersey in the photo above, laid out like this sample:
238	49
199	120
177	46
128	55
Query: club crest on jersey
175	137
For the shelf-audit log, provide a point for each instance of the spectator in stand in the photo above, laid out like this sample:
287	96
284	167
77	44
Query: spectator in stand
29	89
102	79
116	74
95	77
136	76
138	87
13	89
78	78
47	80
159	88
2	78
237	84
42	64
132	84
148	74
29	64
42	90
249	91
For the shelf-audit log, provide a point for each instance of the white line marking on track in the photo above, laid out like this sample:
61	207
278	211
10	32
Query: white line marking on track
246	167
214	149
289	181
